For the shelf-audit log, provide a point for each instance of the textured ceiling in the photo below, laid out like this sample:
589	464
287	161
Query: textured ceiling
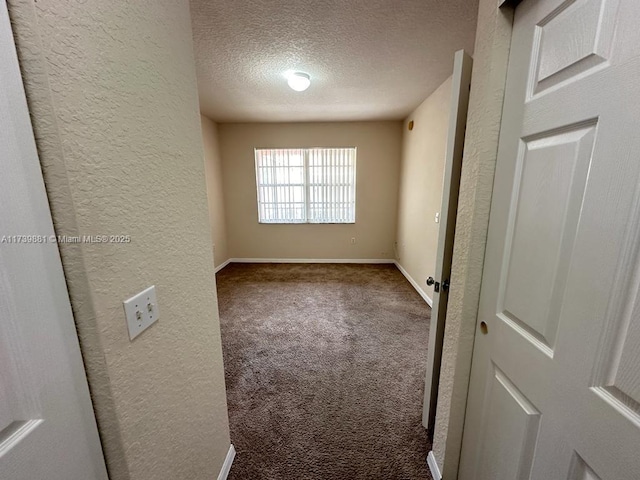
368	59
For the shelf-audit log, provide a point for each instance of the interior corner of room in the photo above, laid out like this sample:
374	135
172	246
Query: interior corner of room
400	175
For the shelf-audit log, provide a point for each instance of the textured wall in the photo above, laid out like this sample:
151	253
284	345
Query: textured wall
377	170
215	193
420	197
112	91
480	150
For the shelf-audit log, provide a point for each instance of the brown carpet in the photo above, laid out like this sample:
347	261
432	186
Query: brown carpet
325	371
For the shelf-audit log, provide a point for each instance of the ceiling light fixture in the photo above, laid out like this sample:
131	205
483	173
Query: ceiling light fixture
299	81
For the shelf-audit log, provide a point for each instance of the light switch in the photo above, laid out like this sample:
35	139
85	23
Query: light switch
141	311
438	217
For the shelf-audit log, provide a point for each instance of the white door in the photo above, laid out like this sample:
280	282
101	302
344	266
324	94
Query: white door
555	383
47	427
460	84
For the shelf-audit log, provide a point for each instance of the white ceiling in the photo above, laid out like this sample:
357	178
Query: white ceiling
368	59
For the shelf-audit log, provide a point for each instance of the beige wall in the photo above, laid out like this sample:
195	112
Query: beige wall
215	194
493	37
112	91
421	174
377	165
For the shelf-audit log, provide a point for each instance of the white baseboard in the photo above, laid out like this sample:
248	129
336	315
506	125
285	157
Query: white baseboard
228	461
221	266
433	466
311	260
415	284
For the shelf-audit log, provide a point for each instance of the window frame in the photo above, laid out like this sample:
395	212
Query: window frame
306	186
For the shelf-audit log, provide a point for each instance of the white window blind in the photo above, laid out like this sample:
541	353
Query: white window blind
306	185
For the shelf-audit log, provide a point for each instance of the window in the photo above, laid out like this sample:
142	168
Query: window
306	185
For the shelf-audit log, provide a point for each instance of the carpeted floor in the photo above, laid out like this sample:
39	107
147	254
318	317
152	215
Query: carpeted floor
325	371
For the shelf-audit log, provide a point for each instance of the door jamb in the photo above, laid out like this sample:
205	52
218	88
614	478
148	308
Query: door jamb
503	5
477	178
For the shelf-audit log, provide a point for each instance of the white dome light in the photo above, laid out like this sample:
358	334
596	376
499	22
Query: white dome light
299	81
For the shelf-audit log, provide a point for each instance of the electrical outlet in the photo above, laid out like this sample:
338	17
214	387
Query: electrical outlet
438	217
141	311
353	240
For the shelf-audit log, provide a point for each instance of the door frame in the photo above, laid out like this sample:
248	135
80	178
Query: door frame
491	57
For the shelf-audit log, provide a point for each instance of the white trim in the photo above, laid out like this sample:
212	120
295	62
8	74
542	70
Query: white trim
415	284
226	466
433	466
222	265
312	260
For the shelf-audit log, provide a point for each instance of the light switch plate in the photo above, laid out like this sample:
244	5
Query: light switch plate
141	311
